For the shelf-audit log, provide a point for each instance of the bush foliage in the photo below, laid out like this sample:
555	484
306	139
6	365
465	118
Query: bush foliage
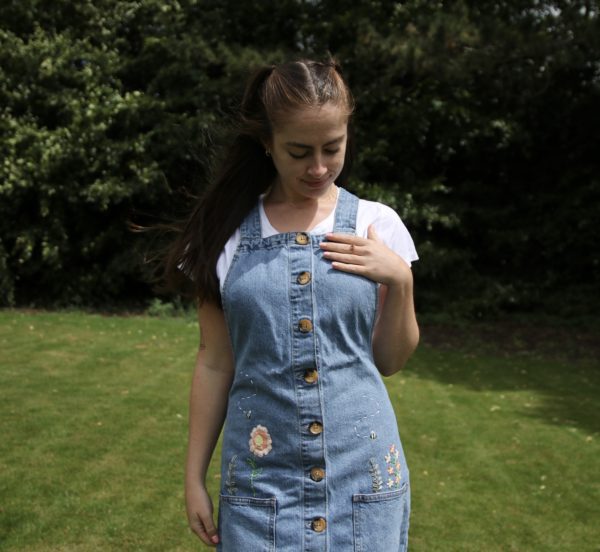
477	121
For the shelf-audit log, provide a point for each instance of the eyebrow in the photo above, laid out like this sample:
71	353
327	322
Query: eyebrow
305	146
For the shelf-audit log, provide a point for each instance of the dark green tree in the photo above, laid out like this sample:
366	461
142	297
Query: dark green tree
477	121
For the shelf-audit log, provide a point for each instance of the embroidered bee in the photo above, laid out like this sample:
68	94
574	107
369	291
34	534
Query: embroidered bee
367	419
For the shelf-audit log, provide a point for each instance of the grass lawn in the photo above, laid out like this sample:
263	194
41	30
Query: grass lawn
503	449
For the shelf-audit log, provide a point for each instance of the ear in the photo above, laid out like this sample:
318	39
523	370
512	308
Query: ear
267	147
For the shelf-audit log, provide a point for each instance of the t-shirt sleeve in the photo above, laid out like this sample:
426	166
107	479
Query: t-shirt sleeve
395	235
226	257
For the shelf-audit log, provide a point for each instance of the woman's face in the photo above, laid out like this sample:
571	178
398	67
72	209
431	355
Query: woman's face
308	148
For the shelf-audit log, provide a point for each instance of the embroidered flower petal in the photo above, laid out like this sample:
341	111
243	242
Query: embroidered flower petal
260	442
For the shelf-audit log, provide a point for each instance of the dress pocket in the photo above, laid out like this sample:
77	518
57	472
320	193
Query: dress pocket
247	524
380	520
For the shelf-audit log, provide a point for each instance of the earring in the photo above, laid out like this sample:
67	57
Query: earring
268	153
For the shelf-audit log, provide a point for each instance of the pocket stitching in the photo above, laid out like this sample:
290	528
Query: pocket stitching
250	501
380	497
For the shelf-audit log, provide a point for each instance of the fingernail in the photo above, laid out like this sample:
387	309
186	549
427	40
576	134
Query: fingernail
215	539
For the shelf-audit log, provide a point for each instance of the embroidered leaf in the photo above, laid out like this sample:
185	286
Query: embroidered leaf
230	482
376	479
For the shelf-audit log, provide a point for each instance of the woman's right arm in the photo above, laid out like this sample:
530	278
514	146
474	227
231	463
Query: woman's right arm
208	404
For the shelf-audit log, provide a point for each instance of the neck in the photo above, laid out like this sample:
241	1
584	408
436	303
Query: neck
289	214
277	195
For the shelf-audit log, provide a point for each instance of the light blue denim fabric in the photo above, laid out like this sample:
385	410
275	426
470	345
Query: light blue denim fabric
282	327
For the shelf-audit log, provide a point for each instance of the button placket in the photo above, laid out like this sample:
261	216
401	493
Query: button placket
305	366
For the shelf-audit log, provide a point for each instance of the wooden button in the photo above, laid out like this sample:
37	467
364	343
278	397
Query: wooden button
303	278
316	428
318	525
317	474
311	376
302	238
305	325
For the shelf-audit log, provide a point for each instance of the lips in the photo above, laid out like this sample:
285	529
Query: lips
316	183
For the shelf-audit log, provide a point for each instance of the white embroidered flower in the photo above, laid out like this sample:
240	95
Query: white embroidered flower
260	441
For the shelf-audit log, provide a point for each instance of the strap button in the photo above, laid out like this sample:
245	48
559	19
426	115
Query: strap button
302	238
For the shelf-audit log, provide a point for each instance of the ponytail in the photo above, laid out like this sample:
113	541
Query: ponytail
246	172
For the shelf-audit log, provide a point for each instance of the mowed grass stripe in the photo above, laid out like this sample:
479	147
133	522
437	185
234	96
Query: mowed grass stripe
495	472
502	450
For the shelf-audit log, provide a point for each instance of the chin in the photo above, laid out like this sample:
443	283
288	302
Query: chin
318	186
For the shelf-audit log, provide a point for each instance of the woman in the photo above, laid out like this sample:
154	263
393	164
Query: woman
305	299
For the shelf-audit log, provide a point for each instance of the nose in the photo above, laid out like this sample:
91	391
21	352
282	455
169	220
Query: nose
317	168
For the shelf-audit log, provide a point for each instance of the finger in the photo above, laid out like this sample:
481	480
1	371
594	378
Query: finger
345	238
211	530
340	247
349	267
343	258
371	234
206	530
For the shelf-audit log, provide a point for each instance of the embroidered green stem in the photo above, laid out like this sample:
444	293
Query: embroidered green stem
256	471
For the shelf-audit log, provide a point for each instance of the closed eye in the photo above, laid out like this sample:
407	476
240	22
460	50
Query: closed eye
298	156
302	156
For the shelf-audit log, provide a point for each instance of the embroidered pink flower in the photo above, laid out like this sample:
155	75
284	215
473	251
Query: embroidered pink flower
260	441
393	467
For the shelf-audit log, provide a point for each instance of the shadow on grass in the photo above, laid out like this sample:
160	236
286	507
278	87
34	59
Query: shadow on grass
564	380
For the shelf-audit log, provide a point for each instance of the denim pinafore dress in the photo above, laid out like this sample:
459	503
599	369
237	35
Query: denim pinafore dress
311	455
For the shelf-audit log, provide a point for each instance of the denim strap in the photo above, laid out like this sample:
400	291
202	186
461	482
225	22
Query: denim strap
250	227
345	213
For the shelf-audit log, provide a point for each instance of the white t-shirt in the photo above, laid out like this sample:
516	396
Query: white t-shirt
384	219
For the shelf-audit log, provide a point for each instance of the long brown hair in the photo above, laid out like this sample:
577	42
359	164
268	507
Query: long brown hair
246	171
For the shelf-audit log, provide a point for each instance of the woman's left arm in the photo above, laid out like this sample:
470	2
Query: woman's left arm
396	332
